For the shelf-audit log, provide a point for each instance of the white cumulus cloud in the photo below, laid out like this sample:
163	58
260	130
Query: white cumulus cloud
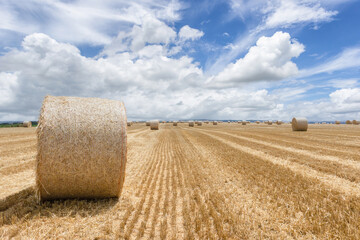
269	59
188	33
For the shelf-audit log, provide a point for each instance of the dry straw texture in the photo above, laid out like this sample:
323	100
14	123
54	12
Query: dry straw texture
27	124
348	122
81	148
129	124
147	123
355	122
199	123
299	124
175	123
191	124
257	122
154	125
215	123
269	123
337	122
243	123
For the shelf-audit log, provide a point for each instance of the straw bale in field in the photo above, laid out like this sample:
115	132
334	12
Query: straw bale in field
355	122
129	124
270	123
175	123
154	125
147	123
27	124
215	123
299	124
348	122
243	122
191	123
257	122
337	122
81	148
278	122
199	123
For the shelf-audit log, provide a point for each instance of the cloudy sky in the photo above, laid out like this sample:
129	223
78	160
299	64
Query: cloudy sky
226	59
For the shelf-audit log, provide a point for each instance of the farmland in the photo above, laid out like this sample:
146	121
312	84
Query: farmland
210	182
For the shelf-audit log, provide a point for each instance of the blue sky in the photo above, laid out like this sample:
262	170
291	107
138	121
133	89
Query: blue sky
236	59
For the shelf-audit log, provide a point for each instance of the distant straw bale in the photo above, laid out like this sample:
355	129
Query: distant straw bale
199	123
147	123
299	124
355	122
243	122
215	123
337	122
129	124
191	124
154	125
27	124
81	148
348	122
175	123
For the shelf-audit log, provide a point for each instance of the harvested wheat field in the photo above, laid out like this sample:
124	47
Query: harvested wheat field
226	181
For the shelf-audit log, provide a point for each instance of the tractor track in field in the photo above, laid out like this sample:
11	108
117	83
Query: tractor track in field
301	143
336	165
342	185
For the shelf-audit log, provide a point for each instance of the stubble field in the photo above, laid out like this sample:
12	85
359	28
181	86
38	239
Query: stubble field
210	182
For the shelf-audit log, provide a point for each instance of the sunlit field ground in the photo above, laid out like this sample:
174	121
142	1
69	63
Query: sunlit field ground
208	182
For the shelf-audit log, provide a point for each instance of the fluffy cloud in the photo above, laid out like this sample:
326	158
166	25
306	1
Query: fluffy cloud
188	33
289	12
270	59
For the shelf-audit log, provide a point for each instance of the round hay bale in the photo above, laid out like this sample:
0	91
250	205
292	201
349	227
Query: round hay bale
348	122
299	124
175	123
243	122
355	122
147	123
278	122
337	122
27	124
129	124
191	123
81	148
257	122
154	125
215	123
270	123
199	123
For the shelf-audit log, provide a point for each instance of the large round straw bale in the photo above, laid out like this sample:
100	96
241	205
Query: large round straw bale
299	124
154	125
215	123
278	122
129	124
269	123
147	123
81	148
257	122
348	122
243	122
199	123
355	122
175	123
337	122
27	124
191	123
